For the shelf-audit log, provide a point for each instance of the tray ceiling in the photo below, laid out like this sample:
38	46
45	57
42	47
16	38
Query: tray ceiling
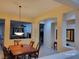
30	8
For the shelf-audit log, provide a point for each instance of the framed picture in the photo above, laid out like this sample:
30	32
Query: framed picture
70	35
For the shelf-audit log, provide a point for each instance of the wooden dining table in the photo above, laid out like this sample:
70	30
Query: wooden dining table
18	50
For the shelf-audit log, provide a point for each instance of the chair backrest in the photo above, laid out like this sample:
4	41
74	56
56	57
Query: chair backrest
38	48
36	53
31	43
5	51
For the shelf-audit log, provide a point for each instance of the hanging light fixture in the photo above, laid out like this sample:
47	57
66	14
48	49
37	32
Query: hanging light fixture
19	29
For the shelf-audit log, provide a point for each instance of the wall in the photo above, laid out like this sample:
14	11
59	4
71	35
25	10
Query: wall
47	33
35	30
69	19
53	34
57	12
77	30
8	17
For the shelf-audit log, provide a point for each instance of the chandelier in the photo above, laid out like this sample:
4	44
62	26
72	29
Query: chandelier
19	29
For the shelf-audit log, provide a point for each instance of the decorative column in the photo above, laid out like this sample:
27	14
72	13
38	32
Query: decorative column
59	32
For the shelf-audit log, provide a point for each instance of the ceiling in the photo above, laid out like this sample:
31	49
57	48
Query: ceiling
72	3
30	8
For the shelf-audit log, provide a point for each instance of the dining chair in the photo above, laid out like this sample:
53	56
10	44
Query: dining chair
31	43
36	53
7	53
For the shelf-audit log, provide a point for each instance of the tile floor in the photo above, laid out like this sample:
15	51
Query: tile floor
71	54
44	51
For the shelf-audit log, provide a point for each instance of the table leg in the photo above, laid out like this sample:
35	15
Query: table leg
16	57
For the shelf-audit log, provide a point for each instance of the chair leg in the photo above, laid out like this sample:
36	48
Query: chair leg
16	57
24	56
36	57
5	57
29	57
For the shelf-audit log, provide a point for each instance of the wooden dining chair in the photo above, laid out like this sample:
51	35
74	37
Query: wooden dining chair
31	43
36	53
7	53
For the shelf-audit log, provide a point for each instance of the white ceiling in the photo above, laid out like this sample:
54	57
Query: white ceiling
30	8
72	3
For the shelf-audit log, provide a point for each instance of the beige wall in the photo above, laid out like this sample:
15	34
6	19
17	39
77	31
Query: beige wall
77	30
47	33
58	12
7	40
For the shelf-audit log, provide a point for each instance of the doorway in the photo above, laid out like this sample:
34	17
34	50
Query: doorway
41	34
47	32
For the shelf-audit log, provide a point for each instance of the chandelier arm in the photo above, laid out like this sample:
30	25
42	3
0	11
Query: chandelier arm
19	12
19	27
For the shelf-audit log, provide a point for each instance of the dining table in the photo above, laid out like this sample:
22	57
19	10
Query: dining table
19	50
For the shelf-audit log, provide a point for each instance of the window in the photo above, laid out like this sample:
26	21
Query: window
70	35
25	27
